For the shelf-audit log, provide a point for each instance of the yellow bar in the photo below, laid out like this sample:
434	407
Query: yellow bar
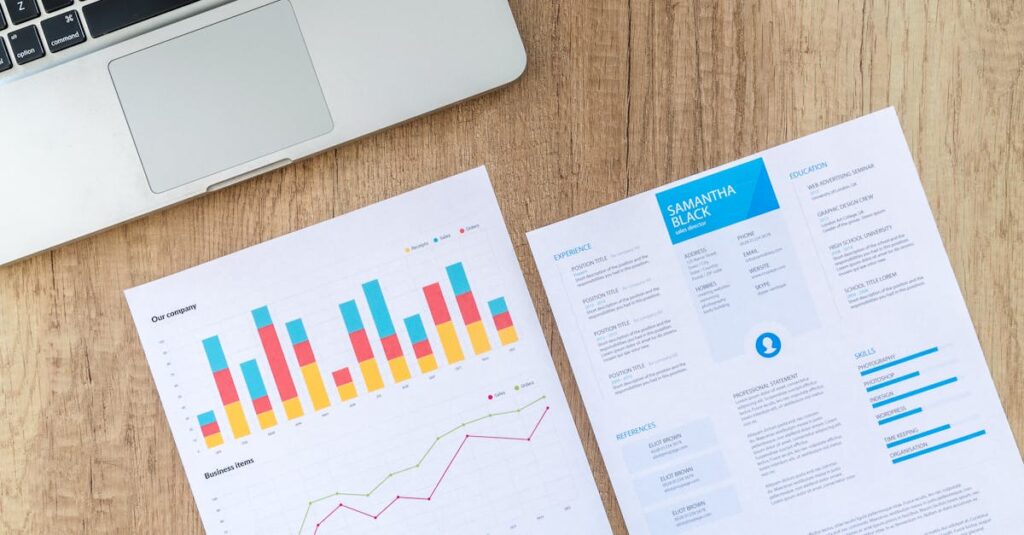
371	375
315	385
508	336
267	419
399	369
478	337
450	342
236	418
293	408
427	363
347	391
214	440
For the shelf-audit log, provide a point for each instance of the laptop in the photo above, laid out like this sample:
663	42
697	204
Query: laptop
110	109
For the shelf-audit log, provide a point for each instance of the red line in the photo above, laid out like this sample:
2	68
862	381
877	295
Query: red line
325	518
439	479
521	439
357	510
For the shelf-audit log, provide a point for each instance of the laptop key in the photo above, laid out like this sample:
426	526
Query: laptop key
5	60
25	45
22	10
63	31
53	5
106	16
3	21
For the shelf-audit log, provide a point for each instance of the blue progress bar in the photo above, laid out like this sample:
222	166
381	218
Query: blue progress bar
917	436
899	361
899	416
937	447
891	382
921	390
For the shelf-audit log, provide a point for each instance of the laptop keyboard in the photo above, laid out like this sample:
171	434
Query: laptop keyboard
32	29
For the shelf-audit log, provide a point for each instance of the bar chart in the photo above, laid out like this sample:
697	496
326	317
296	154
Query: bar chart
389	352
392	342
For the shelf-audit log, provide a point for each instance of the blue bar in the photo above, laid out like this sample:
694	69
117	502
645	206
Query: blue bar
897	362
207	418
350	313
262	317
215	354
378	309
899	416
253	379
921	390
891	382
953	442
457	276
497	306
414	325
296	331
917	436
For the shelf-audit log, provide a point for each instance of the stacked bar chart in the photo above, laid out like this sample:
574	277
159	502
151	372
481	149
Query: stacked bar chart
503	321
386	329
468	308
226	387
391	340
343	380
443	323
420	344
258	392
307	364
278	366
361	345
334	366
210	430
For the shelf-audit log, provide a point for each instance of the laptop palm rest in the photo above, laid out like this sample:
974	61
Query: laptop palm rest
221	96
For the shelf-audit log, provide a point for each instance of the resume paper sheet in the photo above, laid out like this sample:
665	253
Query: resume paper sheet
779	345
381	372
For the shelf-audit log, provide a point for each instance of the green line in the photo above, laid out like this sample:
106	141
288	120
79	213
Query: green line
418	463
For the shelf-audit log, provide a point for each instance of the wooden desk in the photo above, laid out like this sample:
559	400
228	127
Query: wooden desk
618	97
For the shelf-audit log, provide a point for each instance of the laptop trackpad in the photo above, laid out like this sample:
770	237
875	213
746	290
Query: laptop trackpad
221	96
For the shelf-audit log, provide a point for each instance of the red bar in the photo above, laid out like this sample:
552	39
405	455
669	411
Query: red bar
392	348
210	429
467	306
435	300
422	348
503	320
342	377
225	386
361	345
304	353
262	404
278	366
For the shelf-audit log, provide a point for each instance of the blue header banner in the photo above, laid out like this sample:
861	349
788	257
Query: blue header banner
717	201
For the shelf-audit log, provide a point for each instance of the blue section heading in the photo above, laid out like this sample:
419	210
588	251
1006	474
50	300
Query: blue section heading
717	201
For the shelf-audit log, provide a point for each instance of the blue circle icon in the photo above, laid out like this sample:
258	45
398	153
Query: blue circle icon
768	345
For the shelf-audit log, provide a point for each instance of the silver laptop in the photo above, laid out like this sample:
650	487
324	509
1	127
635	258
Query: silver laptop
110	109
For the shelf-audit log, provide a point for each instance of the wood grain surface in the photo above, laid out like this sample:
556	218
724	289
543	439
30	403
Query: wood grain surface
619	97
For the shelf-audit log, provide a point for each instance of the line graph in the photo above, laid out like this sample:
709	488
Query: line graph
465	439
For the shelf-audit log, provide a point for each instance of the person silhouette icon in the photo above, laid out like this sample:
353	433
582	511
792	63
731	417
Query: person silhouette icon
768	345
